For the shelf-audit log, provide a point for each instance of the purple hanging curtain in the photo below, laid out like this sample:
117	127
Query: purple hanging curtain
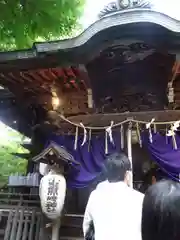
163	153
90	158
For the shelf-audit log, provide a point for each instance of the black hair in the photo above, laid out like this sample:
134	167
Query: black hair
91	232
116	166
161	211
153	172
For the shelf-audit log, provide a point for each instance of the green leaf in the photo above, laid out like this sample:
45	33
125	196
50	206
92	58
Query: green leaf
22	22
10	164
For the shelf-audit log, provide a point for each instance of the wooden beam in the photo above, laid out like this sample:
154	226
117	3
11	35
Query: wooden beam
100	120
103	120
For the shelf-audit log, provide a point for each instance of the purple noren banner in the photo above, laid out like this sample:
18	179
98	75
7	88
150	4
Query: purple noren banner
164	154
90	158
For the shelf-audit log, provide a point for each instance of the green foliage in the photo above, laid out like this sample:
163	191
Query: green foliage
10	164
23	22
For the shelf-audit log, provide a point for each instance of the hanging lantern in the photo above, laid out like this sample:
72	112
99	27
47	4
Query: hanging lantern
90	98
55	102
134	137
170	92
52	195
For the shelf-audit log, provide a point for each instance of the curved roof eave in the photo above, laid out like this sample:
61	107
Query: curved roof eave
130	25
119	18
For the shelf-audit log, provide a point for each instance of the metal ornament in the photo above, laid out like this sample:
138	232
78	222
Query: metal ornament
122	4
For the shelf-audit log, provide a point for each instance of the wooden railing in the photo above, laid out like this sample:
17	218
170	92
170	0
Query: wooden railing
21	219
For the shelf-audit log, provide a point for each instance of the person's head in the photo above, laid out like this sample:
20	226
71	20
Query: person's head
153	176
117	167
161	212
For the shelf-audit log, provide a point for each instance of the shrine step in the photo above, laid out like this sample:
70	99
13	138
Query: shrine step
73	220
71	227
71	232
71	238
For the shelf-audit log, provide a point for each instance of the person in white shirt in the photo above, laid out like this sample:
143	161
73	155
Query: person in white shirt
113	207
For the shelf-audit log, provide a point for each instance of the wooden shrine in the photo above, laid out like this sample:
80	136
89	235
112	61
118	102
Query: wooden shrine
92	82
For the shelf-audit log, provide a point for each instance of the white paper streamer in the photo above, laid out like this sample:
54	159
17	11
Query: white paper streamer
138	134
89	140
166	135
76	139
106	142
172	132
85	134
109	131
155	129
174	142
148	126
173	129
129	150
122	136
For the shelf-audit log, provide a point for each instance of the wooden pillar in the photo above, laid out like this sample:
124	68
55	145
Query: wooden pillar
85	77
129	150
55	229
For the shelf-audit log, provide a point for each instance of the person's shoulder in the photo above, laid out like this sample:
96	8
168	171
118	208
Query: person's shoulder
98	189
92	195
101	185
136	194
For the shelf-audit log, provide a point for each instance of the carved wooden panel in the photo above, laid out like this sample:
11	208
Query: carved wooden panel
176	86
75	103
133	78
